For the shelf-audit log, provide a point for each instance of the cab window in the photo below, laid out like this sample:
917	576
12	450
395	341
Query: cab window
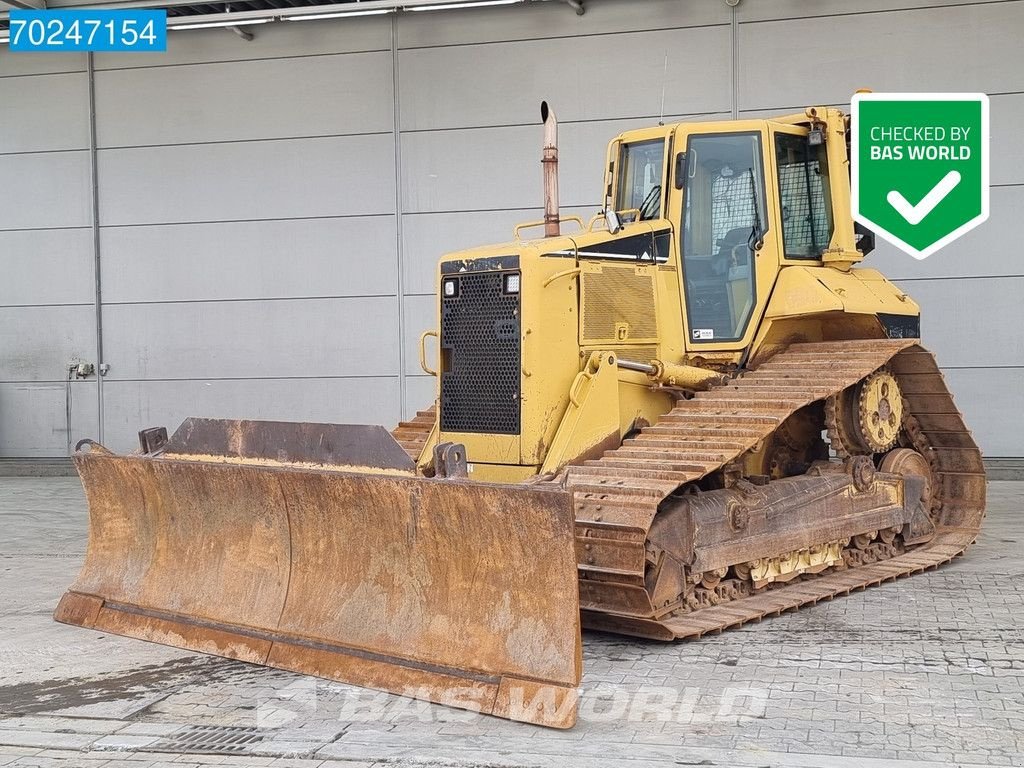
641	166
723	224
803	196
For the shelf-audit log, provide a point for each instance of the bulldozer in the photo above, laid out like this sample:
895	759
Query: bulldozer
693	411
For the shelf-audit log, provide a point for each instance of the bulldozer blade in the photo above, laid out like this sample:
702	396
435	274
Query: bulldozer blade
338	445
456	592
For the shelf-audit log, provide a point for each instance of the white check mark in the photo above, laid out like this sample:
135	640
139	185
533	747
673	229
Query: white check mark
915	213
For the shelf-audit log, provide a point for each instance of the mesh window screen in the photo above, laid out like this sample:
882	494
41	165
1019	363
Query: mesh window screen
732	204
806	211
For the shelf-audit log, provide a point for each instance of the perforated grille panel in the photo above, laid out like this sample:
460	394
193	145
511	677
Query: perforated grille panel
480	340
618	305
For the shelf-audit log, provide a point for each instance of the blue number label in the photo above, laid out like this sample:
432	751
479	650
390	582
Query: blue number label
88	30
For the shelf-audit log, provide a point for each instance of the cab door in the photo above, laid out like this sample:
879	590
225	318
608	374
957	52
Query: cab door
728	245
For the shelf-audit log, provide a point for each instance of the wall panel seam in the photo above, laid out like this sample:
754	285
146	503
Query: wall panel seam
670	118
845	105
240	61
594	204
734	59
400	272
237	221
580	36
215	142
929	278
46	229
980	367
200	379
902	9
510	209
97	261
43	382
251	299
49	305
44	151
42	74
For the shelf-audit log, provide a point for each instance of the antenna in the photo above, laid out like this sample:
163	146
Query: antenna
664	78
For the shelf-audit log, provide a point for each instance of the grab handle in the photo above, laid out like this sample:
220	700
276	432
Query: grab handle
423	352
577	384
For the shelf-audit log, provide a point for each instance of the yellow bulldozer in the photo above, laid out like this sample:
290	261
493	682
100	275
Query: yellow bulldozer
691	412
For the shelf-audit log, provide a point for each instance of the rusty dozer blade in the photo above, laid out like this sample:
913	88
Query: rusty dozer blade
452	591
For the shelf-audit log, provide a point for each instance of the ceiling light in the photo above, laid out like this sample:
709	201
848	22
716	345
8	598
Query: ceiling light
336	15
212	24
455	6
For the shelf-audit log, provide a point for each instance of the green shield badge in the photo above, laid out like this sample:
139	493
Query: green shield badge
920	166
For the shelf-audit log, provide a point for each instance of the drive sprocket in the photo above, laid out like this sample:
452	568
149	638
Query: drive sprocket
867	417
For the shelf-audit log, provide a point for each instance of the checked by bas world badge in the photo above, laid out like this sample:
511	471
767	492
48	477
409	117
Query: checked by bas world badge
920	166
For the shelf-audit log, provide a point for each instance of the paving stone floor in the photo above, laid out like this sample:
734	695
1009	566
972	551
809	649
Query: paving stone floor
922	672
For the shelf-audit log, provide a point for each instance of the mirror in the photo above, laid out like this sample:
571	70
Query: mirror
680	170
611	219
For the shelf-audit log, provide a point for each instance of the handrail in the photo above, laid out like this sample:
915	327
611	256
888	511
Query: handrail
530	224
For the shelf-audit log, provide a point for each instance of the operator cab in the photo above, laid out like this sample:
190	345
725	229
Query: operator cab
743	200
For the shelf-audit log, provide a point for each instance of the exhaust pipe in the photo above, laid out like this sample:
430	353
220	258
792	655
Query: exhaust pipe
549	160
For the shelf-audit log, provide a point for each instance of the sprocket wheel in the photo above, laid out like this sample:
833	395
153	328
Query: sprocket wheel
881	410
867	417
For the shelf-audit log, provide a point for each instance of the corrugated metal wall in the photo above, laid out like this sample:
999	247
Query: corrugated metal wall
267	244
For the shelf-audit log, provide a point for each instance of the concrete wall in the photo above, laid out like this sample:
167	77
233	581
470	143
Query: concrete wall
270	212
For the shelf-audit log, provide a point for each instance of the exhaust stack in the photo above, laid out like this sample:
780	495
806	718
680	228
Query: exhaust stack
550	162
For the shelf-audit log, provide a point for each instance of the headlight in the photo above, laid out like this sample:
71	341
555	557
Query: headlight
512	283
451	287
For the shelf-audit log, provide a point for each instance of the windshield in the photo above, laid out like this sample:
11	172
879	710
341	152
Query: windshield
641	167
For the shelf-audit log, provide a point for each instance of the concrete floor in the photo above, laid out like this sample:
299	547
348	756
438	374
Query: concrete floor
921	672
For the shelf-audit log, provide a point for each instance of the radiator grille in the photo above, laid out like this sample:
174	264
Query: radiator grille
617	297
480	341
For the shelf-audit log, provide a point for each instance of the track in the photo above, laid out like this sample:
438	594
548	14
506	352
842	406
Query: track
412	435
618	495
